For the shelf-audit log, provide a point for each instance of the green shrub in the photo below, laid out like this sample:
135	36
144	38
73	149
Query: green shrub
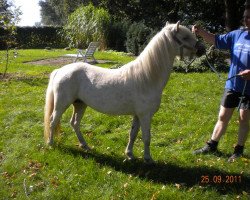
218	61
87	24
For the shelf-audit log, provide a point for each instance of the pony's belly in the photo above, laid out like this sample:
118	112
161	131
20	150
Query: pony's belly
112	107
114	112
123	103
115	99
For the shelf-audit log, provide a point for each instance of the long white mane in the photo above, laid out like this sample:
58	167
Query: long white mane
155	60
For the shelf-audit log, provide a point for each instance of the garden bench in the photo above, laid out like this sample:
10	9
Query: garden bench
89	53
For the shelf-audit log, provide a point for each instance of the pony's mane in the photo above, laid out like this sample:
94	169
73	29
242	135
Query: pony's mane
155	60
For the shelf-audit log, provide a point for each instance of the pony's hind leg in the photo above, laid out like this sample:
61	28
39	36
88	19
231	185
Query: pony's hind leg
79	108
132	136
54	124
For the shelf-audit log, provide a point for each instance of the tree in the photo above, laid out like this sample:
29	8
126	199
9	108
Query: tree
8	19
49	15
233	14
56	12
154	14
204	10
5	12
215	14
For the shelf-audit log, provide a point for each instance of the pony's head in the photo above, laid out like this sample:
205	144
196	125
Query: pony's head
185	40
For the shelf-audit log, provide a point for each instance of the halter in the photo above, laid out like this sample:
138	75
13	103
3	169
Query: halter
182	45
195	48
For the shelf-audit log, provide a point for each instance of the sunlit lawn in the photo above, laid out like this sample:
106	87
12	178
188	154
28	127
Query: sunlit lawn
188	112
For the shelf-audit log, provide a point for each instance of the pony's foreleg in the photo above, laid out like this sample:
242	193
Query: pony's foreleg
79	109
145	122
132	136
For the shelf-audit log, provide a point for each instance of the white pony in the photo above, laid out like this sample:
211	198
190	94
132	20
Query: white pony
134	89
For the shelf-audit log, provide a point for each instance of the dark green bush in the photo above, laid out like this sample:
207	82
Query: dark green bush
138	36
117	35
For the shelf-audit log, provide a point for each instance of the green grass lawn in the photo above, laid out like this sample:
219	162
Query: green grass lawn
185	120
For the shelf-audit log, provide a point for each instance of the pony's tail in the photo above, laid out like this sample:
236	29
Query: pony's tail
49	107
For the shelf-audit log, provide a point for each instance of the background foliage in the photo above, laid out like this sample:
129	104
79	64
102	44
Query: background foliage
155	13
120	15
216	16
121	25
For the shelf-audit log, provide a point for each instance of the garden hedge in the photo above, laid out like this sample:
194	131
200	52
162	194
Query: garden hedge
35	38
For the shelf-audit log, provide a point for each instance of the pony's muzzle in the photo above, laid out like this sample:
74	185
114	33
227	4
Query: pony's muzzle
201	49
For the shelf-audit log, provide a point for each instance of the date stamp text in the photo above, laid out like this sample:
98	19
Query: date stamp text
220	179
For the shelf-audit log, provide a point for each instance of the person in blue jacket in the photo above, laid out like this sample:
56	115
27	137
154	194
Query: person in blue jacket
238	42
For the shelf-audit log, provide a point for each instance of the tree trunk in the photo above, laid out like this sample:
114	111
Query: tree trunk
231	15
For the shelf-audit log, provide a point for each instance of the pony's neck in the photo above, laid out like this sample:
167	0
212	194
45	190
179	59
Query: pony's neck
154	64
159	54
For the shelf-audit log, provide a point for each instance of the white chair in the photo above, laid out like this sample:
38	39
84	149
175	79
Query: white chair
89	53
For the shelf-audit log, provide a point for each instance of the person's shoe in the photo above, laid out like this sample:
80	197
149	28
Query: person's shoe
238	152
210	147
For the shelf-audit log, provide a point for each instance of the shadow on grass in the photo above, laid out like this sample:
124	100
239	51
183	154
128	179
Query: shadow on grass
167	173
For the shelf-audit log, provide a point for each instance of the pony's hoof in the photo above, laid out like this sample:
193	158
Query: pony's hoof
149	161
85	147
130	159
130	156
50	143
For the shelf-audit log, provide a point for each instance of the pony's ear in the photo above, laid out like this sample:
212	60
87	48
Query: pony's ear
176	27
167	23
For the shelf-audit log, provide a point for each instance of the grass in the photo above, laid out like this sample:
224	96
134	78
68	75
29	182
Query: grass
183	123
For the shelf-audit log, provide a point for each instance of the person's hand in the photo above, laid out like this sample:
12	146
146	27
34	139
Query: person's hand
195	29
245	74
207	36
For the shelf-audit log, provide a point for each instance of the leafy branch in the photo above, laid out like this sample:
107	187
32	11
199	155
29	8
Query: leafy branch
8	20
